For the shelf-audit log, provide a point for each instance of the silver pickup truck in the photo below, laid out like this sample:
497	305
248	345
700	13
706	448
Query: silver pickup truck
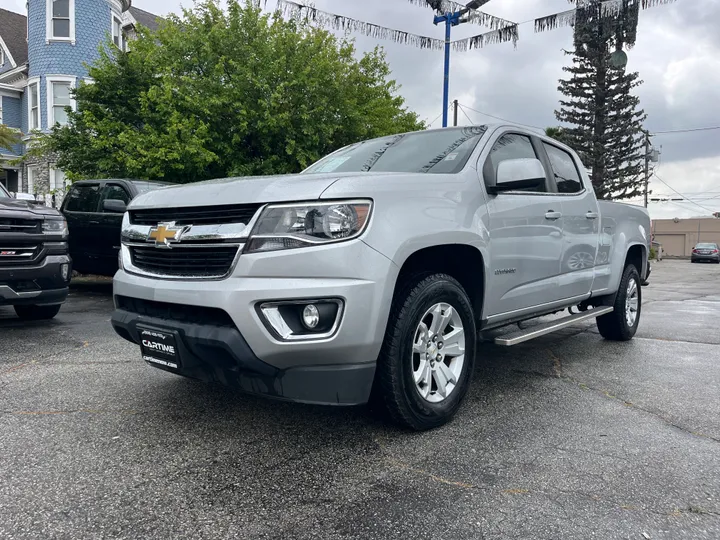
370	275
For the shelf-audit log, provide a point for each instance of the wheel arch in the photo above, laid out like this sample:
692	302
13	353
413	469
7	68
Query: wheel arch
463	262
637	254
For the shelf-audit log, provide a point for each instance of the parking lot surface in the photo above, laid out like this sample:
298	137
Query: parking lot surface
568	436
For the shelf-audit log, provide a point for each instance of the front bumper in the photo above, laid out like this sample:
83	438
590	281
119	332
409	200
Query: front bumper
240	351
35	285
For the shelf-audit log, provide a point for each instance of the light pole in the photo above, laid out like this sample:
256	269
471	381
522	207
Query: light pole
450	20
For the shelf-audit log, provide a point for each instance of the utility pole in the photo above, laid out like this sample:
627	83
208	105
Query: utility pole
647	165
456	111
450	20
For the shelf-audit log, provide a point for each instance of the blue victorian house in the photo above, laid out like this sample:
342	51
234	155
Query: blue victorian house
42	56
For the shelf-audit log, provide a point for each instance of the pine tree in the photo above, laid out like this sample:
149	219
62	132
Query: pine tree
605	124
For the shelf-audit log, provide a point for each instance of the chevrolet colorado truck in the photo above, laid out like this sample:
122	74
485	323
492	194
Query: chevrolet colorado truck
369	276
35	267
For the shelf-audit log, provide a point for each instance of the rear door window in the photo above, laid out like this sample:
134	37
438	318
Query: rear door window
566	172
83	198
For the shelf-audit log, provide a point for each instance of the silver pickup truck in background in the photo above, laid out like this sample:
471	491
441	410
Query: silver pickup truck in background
371	274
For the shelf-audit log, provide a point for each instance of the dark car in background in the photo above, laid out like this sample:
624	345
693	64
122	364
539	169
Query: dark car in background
94	211
706	252
34	264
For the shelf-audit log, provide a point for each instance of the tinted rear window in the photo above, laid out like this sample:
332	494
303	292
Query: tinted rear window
706	246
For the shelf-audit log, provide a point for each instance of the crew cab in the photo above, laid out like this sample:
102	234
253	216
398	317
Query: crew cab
370	274
35	267
94	210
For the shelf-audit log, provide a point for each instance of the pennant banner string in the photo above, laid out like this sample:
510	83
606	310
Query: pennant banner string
338	22
501	35
507	32
473	16
609	8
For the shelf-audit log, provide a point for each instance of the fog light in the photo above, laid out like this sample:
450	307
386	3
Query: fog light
65	270
302	320
311	316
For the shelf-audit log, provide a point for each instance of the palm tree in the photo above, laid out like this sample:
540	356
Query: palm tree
8	136
555	132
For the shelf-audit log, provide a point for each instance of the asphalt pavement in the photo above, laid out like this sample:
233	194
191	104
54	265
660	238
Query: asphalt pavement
568	436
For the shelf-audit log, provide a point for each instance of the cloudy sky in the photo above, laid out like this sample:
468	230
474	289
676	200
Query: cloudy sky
677	54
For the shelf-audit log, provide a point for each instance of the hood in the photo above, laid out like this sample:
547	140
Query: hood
243	190
26	209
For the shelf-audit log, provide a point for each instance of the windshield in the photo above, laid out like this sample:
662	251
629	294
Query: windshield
3	194
706	246
144	187
440	152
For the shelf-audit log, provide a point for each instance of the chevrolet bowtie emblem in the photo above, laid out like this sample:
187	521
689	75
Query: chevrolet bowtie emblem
164	233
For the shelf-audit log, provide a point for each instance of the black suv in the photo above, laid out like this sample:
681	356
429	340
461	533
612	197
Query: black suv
35	267
94	211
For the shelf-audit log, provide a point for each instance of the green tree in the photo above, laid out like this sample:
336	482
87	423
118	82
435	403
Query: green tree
555	132
218	92
605	123
9	137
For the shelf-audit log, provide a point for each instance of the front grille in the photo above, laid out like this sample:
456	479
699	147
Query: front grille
18	254
206	262
199	215
175	312
32	226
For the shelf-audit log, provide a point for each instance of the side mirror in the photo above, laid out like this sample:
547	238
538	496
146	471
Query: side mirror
515	174
114	205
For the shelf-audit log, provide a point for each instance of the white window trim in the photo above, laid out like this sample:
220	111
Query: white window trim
48	24
2	56
30	82
116	17
51	179
49	80
6	52
31	176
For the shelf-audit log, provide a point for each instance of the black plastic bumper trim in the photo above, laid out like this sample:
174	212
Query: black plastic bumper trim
221	354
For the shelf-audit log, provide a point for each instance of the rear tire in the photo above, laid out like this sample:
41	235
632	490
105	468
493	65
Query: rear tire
37	313
419	381
623	322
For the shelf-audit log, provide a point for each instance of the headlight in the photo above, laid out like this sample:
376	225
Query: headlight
289	226
55	227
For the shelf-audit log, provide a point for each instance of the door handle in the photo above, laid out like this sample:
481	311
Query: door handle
592	215
552	216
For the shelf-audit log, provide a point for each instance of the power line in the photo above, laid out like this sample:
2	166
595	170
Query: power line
672	131
466	114
436	119
499	118
683	196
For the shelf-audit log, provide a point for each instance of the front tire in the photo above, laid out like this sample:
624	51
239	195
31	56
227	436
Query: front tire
37	313
623	322
428	354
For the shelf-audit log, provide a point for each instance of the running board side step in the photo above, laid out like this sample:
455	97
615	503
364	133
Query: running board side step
508	340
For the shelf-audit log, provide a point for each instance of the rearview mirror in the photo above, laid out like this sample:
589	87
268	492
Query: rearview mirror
515	174
114	205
